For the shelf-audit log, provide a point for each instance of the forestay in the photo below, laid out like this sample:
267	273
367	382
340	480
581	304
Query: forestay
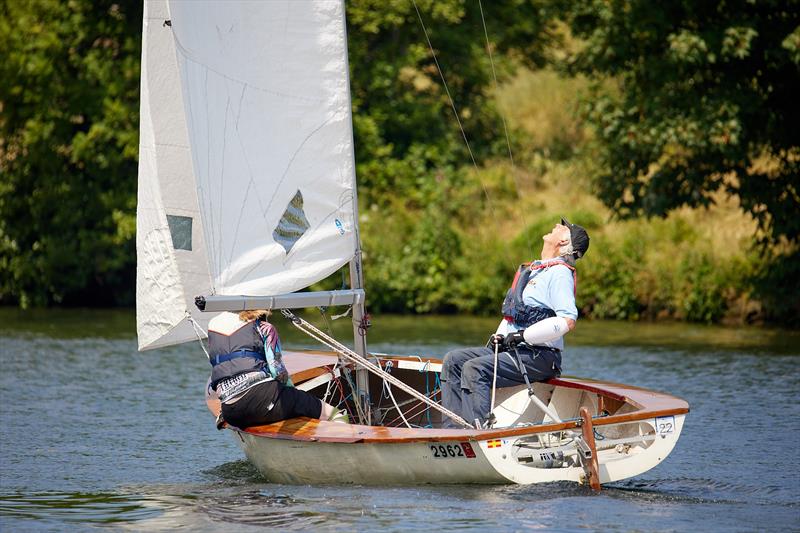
246	174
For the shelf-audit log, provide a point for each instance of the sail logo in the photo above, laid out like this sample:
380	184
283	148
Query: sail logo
293	224
339	226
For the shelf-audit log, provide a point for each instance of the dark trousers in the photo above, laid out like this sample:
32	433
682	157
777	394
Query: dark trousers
467	377
270	402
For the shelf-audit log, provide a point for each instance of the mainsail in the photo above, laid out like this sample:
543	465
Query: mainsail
246	173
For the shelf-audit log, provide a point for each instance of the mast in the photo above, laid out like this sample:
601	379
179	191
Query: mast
356	272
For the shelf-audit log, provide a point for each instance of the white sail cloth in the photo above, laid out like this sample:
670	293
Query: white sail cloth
246	176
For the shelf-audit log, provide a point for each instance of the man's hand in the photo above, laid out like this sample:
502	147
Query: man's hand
495	340
505	343
512	339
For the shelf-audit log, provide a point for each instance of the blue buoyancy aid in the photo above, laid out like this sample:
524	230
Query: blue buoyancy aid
240	352
515	310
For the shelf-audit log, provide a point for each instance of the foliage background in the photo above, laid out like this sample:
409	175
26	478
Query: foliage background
669	131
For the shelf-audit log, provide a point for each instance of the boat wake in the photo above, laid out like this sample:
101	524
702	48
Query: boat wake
236	472
701	490
261	508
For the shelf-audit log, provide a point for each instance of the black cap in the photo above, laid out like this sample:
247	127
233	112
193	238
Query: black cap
580	239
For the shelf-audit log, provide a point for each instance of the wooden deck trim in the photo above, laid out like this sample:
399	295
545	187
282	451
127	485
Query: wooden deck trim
307	429
306	365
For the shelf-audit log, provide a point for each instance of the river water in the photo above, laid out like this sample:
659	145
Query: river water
94	434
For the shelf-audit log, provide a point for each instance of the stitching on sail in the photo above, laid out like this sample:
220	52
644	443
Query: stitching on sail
185	53
250	181
206	224
250	184
202	186
291	162
222	181
288	167
214	239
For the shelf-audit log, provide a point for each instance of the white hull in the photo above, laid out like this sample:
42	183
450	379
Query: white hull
292	462
635	432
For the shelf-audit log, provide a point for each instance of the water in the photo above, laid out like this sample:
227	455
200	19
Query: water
95	434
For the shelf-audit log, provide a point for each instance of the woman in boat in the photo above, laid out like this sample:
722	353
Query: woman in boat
249	378
537	311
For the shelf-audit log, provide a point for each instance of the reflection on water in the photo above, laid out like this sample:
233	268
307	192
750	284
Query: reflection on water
112	437
100	508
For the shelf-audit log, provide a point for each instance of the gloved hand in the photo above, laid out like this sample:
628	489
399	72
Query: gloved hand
506	343
512	339
495	339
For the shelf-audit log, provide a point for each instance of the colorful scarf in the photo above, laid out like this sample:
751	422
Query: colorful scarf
272	349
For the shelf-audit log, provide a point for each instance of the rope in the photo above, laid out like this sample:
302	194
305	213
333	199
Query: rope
400	412
356	401
412	412
388	388
424	370
346	312
494	376
349	354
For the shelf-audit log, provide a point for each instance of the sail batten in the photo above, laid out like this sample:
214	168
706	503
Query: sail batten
247	181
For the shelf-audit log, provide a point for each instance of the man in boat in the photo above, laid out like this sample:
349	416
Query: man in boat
249	378
537	311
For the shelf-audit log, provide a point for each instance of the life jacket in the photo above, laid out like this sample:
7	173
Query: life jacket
515	310
234	347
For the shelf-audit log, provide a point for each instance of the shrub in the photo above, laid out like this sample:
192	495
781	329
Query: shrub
606	280
700	296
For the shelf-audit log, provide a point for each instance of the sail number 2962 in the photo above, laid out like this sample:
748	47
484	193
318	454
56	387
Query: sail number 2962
452	451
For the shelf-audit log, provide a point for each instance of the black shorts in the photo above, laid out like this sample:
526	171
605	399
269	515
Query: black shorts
253	409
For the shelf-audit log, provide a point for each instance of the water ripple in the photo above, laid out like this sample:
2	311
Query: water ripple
98	508
702	490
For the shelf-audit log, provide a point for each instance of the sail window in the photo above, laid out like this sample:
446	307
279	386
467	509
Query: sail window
181	230
292	225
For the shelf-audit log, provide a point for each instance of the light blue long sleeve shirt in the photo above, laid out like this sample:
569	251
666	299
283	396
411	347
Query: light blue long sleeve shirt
552	287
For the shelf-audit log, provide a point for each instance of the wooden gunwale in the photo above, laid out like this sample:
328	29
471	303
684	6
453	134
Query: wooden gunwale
306	365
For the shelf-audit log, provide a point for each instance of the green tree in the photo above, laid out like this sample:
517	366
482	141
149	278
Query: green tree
706	101
69	84
69	129
403	120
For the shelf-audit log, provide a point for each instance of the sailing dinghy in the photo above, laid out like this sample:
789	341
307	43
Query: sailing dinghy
247	195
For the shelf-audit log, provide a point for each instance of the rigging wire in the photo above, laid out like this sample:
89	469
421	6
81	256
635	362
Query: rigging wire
315	333
469	149
503	119
324	312
496	84
446	88
461	127
413	412
200	332
388	388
